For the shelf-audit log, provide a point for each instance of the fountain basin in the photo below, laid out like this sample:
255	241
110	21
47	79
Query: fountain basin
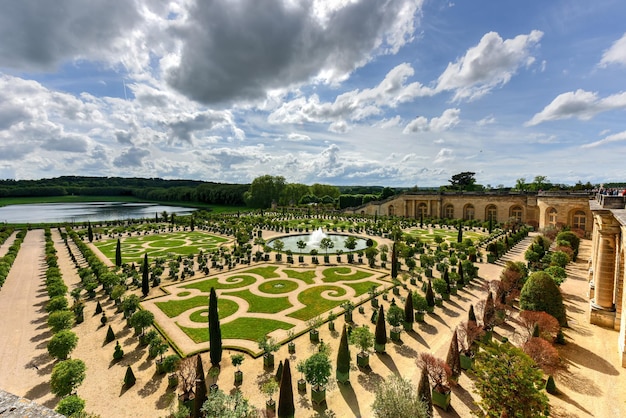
313	240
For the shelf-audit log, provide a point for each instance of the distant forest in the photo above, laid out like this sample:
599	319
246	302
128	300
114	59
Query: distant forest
160	190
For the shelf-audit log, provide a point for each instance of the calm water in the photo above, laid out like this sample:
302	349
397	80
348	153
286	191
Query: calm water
85	211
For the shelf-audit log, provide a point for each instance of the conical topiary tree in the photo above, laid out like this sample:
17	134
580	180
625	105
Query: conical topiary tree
424	391
145	280
343	358
279	371
89	232
118	254
286	407
454	359
551	386
409	316
110	335
461	279
129	377
201	392
471	316
380	336
430	295
215	333
98	308
459	237
394	261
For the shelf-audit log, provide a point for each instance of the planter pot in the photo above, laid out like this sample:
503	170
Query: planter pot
453	290
413	282
442	400
491	258
268	360
419	316
270	407
467	362
374	303
408	326
291	347
331	326
445	296
395	334
424	287
318	395
396	291
348	316
339	259
300	259
238	377
314	336
160	367
428	273
301	385
380	348
385	296
361	310
343	378
326	259
438	301
172	380
362	359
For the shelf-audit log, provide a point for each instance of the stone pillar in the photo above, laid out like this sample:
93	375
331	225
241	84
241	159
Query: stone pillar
602	305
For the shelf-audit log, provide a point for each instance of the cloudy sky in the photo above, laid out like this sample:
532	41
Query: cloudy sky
346	92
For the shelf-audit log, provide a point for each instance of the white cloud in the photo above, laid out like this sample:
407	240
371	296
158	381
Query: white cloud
355	105
486	121
487	65
618	137
298	137
448	120
241	50
616	54
444	155
580	104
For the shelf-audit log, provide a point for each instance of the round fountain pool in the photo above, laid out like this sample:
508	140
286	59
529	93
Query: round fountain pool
313	240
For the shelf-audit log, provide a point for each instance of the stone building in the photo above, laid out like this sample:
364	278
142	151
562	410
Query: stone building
537	209
606	288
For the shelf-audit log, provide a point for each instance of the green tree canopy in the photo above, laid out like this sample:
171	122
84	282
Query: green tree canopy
397	397
67	376
541	293
264	190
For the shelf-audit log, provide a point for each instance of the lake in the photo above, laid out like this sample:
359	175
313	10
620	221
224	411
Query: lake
84	211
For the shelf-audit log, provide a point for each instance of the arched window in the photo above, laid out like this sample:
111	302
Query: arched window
468	212
552	216
422	210
516	212
448	211
491	213
391	211
579	220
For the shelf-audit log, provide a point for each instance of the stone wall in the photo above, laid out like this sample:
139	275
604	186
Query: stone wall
12	406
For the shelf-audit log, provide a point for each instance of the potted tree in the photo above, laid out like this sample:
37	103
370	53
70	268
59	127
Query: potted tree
314	333
439	374
301	381
380	336
468	333
269	388
409	316
348	308
395	316
363	338
373	300
236	360
291	347
331	320
420	305
268	346
317	370
441	288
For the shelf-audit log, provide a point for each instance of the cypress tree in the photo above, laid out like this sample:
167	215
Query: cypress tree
409	316
489	312
551	386
201	392
471	316
343	358
215	333
459	238
192	224
145	282
424	392
89	232
394	261
430	295
446	278
380	335
286	407
461	280
129	378
454	359
279	371
118	254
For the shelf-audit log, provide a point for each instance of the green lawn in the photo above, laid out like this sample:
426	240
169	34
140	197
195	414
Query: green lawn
306	276
251	329
259	304
276	287
232	282
315	303
363	287
268	272
173	308
340	274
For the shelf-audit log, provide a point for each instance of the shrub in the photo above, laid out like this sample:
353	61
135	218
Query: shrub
62	344
66	376
540	293
57	303
543	353
558	274
559	258
118	353
547	324
110	335
397	397
71	406
129	377
60	320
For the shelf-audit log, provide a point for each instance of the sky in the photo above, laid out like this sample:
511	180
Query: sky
396	93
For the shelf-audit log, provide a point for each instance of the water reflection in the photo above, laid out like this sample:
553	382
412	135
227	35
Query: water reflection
84	211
